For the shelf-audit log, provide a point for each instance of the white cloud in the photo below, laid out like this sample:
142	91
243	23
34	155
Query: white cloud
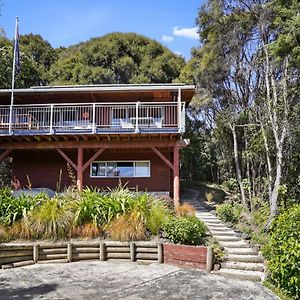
167	38
178	53
190	33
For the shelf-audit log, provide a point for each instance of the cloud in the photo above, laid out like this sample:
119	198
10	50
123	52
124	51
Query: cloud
178	53
167	38
190	33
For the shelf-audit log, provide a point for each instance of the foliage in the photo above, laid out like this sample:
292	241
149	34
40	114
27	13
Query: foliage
116	58
13	209
28	76
157	216
87	231
128	227
228	212
283	251
53	219
2	233
5	173
185	230
185	210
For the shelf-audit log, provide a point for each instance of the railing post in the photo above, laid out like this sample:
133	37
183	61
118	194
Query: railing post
183	117
94	117
10	120
137	117
179	110
51	119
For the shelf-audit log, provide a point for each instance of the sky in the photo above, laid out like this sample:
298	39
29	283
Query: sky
68	22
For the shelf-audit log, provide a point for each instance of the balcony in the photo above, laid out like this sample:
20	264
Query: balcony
95	118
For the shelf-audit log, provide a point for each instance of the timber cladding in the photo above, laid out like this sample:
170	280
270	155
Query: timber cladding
20	255
43	169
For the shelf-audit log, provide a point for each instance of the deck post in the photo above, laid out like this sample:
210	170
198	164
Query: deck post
137	117
51	119
179	110
79	169
176	176
94	117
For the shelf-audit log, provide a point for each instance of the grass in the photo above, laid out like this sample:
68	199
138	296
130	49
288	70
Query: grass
277	291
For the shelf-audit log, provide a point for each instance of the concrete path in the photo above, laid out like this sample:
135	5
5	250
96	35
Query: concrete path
122	280
241	261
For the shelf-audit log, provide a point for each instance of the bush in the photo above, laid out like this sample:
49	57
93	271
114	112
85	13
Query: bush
86	231
158	214
2	233
185	210
283	251
128	227
53	219
228	212
13	209
185	230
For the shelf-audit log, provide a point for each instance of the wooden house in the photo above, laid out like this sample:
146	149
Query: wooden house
106	133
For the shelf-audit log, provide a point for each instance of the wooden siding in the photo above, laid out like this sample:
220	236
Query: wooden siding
43	168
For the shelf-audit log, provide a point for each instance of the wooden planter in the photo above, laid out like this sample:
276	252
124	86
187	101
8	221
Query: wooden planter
200	257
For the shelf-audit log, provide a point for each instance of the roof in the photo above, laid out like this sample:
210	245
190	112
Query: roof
100	88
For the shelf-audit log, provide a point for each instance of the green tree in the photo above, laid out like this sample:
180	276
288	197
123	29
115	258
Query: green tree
116	58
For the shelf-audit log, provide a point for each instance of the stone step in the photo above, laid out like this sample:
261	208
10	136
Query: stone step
234	244
242	251
222	232
241	274
244	258
227	238
219	229
243	266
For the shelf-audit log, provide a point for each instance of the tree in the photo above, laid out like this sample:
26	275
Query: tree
116	58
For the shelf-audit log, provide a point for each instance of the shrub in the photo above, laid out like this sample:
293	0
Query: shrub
86	231
157	216
228	212
128	227
283	251
13	209
21	229
53	219
185	210
2	233
185	230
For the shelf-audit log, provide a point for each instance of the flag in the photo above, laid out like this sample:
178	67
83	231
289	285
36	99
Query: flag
17	49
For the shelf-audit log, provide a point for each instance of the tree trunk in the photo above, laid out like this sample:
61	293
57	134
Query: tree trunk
237	166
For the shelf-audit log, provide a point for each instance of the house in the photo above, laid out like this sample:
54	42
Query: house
106	133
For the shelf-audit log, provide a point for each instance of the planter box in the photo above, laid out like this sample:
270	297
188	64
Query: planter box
199	257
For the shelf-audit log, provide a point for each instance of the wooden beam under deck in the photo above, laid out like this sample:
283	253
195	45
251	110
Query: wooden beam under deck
92	144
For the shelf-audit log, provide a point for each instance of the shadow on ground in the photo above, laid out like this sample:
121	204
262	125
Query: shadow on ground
24	293
208	196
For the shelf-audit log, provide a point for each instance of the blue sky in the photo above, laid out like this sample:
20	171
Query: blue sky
67	22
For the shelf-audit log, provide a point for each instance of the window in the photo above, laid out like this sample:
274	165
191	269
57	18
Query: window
120	169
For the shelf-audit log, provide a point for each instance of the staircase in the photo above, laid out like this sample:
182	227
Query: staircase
241	261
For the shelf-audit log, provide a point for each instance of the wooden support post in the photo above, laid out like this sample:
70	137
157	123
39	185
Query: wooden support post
67	158
209	259
35	253
132	251
69	252
160	257
163	158
176	176
102	251
79	169
4	154
92	159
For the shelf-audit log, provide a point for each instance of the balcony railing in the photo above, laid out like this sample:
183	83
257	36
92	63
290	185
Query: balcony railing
95	118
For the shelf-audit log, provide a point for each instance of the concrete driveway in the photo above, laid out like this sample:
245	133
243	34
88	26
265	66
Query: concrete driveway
122	280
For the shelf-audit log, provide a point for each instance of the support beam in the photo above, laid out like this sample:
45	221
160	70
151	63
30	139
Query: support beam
92	159
176	186
79	169
164	159
91	144
4	154
67	158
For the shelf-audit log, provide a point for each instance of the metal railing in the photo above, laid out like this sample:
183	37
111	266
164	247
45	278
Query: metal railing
136	117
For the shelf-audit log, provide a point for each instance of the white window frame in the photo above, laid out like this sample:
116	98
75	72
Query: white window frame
116	161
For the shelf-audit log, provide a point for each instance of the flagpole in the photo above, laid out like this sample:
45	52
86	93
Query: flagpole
13	78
